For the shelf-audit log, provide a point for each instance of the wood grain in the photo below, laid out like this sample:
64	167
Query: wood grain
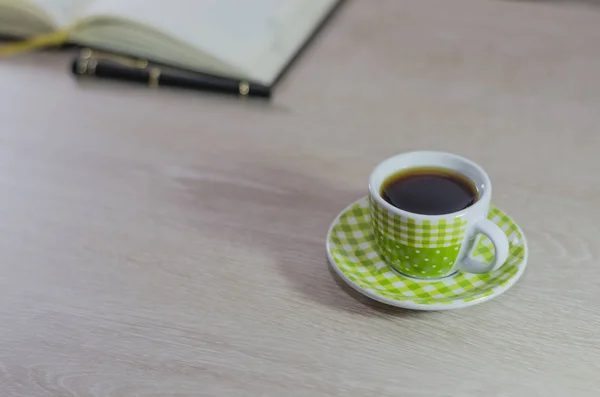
166	243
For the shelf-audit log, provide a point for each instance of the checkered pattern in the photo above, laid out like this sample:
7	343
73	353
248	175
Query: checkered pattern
352	247
417	233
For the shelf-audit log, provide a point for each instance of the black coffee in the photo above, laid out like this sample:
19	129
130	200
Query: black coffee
429	191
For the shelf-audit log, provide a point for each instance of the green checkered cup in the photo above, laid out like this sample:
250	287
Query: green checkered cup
434	246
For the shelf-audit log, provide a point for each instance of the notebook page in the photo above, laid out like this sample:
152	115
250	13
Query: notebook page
62	11
270	59
234	31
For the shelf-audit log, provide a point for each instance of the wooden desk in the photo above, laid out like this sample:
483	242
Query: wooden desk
167	243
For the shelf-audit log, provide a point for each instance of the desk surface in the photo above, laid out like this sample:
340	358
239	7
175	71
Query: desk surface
167	243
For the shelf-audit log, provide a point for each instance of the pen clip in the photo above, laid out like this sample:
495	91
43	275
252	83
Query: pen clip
88	62
88	54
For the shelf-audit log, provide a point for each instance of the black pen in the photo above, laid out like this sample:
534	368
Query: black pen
115	67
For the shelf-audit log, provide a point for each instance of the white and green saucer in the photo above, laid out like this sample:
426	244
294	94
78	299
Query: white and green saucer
353	256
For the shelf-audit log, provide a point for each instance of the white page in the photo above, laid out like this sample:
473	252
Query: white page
231	30
62	11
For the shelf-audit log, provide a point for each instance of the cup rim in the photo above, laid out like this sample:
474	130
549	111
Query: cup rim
484	198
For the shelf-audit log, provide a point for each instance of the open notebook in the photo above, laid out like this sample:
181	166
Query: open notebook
242	39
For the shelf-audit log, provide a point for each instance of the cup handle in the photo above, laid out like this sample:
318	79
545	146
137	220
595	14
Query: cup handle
500	242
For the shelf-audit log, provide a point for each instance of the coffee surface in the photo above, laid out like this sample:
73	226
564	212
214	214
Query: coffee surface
429	191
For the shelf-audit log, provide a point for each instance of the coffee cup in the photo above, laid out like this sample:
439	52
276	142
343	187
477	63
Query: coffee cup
420	229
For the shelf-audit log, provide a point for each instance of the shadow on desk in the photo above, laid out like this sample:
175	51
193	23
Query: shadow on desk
302	261
282	214
370	303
